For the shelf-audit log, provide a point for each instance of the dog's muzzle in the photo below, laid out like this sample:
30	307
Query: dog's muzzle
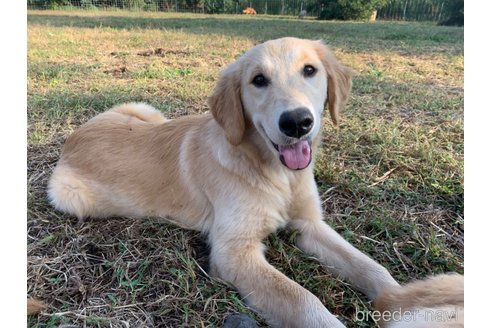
295	124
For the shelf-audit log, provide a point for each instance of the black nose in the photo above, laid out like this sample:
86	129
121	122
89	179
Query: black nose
296	123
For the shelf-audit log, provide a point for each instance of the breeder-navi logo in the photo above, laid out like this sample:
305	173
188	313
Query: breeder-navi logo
415	315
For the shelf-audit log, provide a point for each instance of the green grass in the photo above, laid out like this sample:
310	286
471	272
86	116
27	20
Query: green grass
390	177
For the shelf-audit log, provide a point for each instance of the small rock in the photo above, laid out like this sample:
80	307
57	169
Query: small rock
239	320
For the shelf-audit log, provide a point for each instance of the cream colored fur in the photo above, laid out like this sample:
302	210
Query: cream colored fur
436	302
219	173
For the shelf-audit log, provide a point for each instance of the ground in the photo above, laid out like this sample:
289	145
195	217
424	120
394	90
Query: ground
390	176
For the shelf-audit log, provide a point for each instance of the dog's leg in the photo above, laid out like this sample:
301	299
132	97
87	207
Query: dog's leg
240	261
334	252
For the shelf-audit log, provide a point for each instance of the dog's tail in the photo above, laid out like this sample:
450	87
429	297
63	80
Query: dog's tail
435	302
141	111
34	306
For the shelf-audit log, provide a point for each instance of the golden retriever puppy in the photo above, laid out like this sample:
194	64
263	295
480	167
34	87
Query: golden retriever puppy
436	302
237	174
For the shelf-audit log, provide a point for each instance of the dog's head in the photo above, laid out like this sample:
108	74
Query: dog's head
281	87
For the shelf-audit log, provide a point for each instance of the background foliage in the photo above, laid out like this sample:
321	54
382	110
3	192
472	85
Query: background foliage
448	12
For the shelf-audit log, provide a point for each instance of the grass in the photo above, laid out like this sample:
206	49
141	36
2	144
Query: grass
390	177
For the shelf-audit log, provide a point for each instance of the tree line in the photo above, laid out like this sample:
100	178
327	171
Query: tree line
447	12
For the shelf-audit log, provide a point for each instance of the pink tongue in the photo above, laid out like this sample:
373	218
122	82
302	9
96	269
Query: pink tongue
296	156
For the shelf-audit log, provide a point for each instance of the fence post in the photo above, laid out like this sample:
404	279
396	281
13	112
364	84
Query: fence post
440	12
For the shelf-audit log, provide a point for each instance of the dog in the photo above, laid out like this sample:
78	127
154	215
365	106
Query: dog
436	302
249	11
237	173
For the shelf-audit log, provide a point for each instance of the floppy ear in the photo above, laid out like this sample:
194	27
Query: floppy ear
339	80
226	106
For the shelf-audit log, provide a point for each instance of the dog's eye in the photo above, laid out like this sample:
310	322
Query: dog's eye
260	81
309	71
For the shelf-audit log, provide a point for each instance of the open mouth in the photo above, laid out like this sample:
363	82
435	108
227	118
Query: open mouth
296	156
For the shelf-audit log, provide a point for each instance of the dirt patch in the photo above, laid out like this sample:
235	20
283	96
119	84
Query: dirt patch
117	71
163	52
